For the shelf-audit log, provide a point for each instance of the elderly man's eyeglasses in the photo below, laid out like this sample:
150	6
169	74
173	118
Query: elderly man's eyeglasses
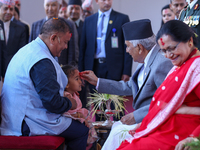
171	49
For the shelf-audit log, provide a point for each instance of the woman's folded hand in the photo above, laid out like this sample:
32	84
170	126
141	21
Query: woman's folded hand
184	109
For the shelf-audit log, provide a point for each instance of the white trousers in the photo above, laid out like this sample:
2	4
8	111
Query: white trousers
118	133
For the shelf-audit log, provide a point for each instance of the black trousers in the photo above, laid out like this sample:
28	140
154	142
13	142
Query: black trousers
76	136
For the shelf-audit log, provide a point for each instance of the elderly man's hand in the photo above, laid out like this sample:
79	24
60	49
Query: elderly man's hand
181	144
89	76
128	119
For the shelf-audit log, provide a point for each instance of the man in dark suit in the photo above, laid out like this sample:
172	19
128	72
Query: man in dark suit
51	9
15	36
16	19
112	62
2	47
191	16
102	47
74	13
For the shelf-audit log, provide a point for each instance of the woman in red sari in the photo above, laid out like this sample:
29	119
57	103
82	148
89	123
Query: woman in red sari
174	110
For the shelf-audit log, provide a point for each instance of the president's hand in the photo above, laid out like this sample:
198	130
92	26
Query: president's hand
89	76
128	119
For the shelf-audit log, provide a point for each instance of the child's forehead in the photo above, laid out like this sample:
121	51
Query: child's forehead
74	73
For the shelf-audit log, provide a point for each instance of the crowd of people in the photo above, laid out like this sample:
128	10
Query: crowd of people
44	94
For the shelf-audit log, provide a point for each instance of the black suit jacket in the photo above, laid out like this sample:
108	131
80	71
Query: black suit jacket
16	40
79	29
67	55
25	26
2	47
192	14
117	60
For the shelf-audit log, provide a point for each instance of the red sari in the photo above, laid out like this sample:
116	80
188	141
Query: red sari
162	129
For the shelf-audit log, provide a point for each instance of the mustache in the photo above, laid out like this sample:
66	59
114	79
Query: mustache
106	5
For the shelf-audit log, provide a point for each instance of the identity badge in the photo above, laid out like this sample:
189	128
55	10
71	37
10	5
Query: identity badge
114	39
1	34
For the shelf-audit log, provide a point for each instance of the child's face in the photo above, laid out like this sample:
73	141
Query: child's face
74	82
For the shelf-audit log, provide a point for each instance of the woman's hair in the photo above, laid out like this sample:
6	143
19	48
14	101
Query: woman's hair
178	30
69	69
165	7
17	11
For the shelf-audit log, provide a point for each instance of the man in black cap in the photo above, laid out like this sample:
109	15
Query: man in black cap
150	73
74	13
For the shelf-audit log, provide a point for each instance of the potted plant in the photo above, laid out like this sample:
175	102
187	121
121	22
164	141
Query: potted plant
101	105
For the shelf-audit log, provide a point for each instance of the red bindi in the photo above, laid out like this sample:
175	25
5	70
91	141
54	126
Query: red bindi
63	8
161	40
74	6
165	11
9	6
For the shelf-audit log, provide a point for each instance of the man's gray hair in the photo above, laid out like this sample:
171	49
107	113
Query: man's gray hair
148	43
58	1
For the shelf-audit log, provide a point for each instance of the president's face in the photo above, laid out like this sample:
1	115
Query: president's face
134	52
104	5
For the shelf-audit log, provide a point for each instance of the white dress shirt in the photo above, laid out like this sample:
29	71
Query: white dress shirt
140	78
6	29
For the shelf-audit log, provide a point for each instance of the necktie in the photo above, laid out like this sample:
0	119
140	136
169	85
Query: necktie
99	34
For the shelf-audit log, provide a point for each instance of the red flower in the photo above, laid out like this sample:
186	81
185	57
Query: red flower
110	113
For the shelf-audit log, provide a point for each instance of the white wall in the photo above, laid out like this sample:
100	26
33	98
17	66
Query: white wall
33	10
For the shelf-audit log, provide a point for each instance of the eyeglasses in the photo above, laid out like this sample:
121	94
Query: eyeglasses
164	51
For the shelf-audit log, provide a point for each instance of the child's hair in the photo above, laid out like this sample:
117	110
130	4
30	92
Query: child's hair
69	69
